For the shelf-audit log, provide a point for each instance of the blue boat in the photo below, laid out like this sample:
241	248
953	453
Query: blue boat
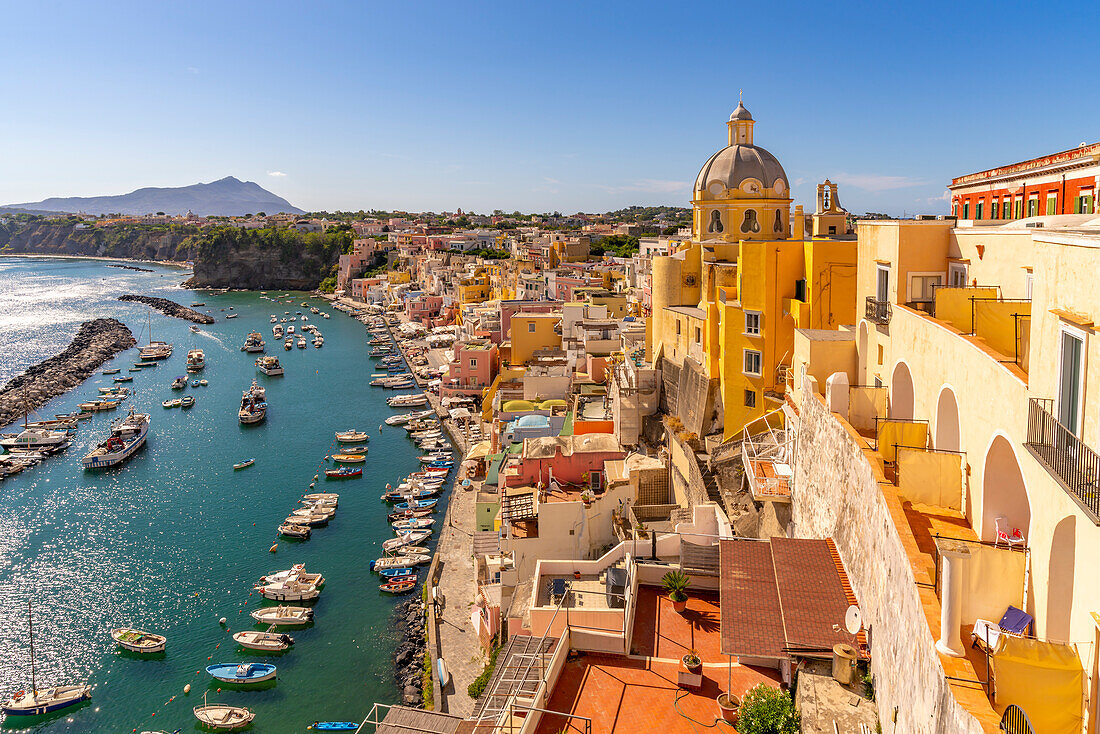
396	573
242	673
416	505
335	725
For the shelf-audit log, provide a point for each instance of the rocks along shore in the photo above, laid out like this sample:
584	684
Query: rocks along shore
170	308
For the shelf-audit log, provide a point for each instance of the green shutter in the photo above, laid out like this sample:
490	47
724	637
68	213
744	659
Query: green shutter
1086	207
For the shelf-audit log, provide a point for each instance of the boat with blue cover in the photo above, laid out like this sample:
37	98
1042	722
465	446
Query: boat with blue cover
334	726
242	672
416	505
397	572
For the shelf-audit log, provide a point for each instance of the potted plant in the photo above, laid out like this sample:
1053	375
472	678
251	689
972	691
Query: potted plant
676	584
730	705
577	575
586	498
692	662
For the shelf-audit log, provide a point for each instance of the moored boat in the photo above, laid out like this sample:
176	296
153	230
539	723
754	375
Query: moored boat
127	436
295	530
344	472
283	615
269	365
349	458
138	640
398	586
196	360
223	716
253	343
244	464
263	641
352	436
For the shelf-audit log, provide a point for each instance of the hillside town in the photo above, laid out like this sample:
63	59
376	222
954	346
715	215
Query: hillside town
778	448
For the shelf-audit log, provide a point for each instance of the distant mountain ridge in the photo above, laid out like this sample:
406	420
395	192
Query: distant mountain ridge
226	197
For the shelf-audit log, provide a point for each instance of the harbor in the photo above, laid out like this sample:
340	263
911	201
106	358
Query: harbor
174	538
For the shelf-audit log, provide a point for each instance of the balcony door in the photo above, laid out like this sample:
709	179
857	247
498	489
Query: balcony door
882	285
1071	374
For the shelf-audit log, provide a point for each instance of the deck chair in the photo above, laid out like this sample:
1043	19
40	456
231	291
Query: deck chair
986	634
557	589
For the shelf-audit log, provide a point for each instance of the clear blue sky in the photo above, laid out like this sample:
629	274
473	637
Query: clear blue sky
533	106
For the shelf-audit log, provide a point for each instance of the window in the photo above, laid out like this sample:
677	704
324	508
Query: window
750	224
994	208
752	362
800	290
1070	378
677	327
1052	204
1007	207
750	398
1083	204
978	209
698	335
922	286
882	284
966	210
473	363
1019	209
530	327
956	274
1033	206
752	323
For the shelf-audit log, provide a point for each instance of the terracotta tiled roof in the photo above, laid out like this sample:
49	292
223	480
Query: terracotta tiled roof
752	619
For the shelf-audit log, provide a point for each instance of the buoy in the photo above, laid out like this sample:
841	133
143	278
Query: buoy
187	688
311	485
221	621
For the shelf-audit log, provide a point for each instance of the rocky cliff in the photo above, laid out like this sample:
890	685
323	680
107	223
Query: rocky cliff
66	237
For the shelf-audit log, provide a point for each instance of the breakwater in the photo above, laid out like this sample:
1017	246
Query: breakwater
95	342
130	267
170	308
408	658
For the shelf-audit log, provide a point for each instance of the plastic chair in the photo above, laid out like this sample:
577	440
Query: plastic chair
1011	538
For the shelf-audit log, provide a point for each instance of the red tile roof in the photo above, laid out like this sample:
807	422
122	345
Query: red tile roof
752	618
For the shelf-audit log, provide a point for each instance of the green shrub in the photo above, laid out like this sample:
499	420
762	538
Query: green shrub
426	682
476	688
767	710
676	584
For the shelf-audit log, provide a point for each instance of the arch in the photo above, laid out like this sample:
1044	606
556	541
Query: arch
864	356
1004	493
946	435
1060	572
901	392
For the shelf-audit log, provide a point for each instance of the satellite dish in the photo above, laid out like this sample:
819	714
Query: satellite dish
853	620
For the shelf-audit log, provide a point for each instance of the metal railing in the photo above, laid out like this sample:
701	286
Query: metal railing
1015	721
1073	463
878	312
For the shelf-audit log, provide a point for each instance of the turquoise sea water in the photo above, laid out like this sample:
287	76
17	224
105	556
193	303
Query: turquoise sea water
174	539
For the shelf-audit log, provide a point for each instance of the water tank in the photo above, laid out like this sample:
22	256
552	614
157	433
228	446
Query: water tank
844	663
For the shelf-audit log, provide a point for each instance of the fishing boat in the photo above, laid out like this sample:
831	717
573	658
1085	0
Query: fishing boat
416	505
138	640
196	360
112	371
283	615
410	537
352	436
263	641
396	573
187	401
223	716
290	590
37	701
390	562
269	365
349	458
126	378
244	464
295	530
398	586
253	406
242	672
314	519
253	343
413	523
330	496
344	472
127	436
179	383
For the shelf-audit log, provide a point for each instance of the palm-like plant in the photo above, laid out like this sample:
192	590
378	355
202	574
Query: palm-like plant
676	583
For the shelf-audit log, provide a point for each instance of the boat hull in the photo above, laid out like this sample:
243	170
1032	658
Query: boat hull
31	705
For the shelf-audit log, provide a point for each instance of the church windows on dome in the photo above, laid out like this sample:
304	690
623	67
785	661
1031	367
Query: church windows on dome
778	225
715	225
751	223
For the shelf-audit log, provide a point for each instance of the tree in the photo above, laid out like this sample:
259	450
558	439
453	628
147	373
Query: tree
261	214
767	710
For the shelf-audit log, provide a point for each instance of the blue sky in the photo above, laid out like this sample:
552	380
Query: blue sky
533	106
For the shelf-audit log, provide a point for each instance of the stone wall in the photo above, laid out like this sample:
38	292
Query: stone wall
837	495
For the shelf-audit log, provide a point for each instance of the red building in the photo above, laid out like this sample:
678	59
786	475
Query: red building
1062	183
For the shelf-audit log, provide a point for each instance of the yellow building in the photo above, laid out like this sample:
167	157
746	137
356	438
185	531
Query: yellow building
533	332
726	304
474	289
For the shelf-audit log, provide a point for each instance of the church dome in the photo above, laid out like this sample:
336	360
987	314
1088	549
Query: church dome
732	165
740	113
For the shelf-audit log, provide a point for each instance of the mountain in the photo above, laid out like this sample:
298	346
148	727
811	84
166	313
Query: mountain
227	197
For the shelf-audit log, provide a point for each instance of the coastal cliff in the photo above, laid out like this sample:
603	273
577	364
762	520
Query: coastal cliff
95	342
68	236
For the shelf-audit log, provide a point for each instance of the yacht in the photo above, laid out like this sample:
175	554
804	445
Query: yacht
127	436
33	439
253	406
269	365
156	350
253	343
196	360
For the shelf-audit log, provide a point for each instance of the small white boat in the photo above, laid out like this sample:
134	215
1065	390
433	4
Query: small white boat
223	716
352	436
263	641
295	530
269	365
138	640
283	615
290	590
322	496
244	464
398	562
278	576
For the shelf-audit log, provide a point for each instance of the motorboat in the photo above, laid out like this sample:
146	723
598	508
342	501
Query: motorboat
194	329
232	315
253	343
416	523
114	390
127	378
288	344
302	342
263	641
415	505
196	360
277	331
414	550
112	371
283	615
244	464
403	494
223	716
311	511
344	472
34	439
328	496
187	401
242	672
390	562
349	458
407	401
352	436
179	383
318	505
290	329
400	585
397	572
274	319
294	571
138	640
410	537
408	514
146	363
295	530
318	342
314	519
127	436
253	406
269	365
290	590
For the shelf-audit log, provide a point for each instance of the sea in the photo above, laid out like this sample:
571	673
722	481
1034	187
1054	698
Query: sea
174	540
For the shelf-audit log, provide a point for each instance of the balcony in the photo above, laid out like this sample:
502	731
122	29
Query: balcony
878	312
1065	456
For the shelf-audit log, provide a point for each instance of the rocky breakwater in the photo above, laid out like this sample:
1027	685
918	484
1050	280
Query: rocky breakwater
170	308
95	342
408	658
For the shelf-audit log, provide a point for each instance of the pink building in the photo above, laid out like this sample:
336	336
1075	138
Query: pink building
569	459
424	308
473	370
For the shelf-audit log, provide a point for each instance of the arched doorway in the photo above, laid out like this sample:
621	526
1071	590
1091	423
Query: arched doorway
1003	492
901	392
947	421
862	356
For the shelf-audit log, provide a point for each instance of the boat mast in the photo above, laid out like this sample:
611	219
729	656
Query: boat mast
30	627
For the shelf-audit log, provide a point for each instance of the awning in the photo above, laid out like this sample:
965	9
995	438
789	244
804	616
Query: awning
460	413
479	451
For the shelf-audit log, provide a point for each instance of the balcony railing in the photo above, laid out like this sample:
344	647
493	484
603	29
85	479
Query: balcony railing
878	311
1072	462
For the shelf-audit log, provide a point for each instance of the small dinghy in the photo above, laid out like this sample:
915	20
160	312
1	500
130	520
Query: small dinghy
317	496
416	505
349	458
351	437
295	530
244	464
413	523
409	538
334	725
398	586
112	371
138	641
264	641
283	615
223	716
390	562
242	673
343	473
187	401
394	573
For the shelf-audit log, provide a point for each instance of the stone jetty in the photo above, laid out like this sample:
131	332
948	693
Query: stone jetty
170	308
95	342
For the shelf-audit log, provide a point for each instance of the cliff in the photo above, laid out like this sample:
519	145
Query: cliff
39	236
